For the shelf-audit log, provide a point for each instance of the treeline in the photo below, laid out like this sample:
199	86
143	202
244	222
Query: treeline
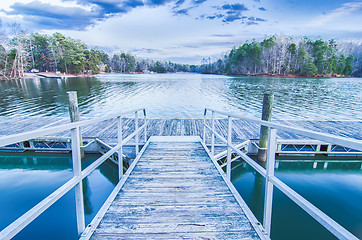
284	56
48	53
21	52
24	52
126	63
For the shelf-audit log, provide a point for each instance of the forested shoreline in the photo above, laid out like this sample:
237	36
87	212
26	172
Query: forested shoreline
275	55
25	52
285	56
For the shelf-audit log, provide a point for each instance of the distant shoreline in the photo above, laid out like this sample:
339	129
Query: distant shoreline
63	75
295	75
251	75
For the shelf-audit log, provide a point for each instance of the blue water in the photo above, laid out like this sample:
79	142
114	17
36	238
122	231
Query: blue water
336	191
185	96
27	179
24	181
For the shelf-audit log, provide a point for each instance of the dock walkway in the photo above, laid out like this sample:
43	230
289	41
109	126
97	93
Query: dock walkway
174	190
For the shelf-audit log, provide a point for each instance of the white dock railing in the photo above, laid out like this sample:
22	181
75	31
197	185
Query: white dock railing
78	175
268	173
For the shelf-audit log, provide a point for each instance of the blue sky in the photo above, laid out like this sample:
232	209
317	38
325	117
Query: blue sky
184	30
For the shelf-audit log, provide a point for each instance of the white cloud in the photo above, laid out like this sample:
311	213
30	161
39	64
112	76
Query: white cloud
6	4
157	33
336	14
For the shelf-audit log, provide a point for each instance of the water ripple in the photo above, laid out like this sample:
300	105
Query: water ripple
185	96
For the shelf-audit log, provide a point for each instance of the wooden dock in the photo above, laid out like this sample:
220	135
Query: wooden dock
243	130
47	75
173	190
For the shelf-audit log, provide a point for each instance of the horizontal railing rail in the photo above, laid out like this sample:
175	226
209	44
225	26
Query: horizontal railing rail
20	137
76	181
326	137
268	173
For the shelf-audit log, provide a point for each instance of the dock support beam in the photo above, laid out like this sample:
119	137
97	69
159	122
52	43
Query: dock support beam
74	115
266	116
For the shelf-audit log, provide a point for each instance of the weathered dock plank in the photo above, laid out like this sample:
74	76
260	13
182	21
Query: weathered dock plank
175	192
210	235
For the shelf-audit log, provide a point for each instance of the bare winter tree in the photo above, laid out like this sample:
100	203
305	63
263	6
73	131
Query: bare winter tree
19	47
3	53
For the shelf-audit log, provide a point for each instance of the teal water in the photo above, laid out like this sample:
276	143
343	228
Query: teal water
337	191
185	96
26	179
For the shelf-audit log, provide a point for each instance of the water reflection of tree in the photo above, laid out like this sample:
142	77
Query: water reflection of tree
109	170
255	200
88	208
257	196
46	95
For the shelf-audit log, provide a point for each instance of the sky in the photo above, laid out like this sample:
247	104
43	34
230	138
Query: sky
184	31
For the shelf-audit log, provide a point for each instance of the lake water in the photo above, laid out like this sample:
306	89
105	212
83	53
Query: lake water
185	96
336	191
27	179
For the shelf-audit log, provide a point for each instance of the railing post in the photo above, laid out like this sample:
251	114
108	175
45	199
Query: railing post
213	134
136	129
228	163
268	198
204	133
145	122
74	115
120	151
77	170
